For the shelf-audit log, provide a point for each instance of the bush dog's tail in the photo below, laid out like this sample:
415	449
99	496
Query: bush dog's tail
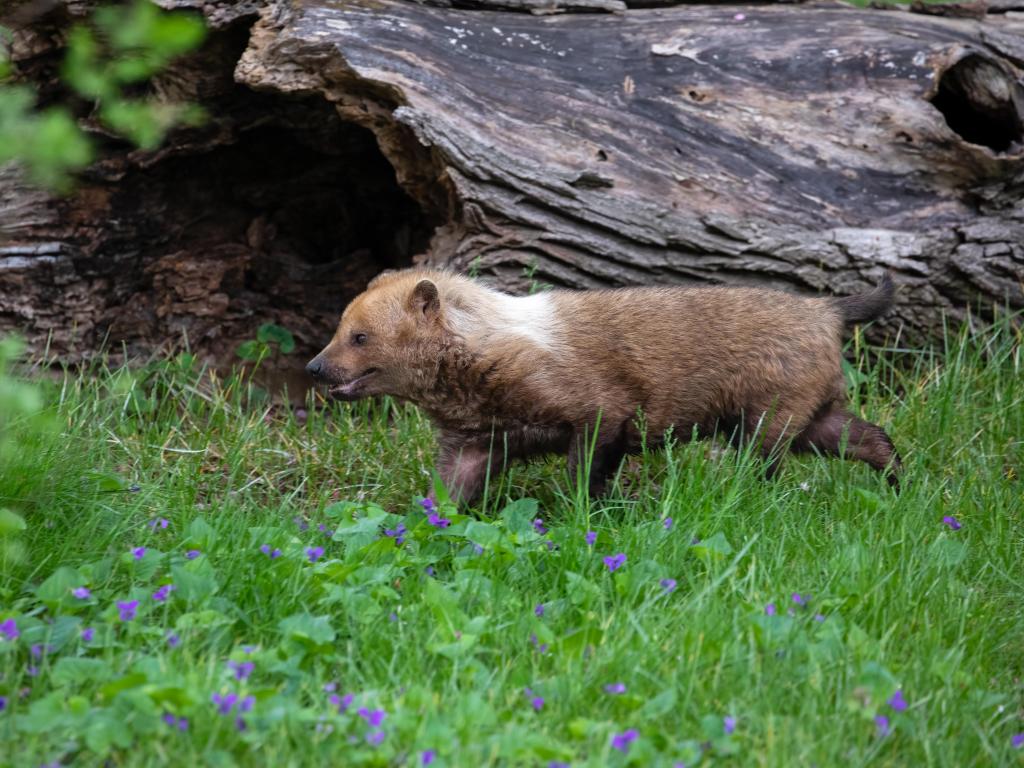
867	306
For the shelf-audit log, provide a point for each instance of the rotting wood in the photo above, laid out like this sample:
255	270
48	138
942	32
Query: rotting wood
803	147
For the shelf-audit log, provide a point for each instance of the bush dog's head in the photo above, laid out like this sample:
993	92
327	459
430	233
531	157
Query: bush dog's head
388	340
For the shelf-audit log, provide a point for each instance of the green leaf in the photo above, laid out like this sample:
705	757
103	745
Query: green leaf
201	533
72	671
59	585
10	522
269	333
660	705
715	547
483	534
195	581
303	626
519	515
252	350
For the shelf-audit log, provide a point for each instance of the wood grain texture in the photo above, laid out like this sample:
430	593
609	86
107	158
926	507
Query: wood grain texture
792	146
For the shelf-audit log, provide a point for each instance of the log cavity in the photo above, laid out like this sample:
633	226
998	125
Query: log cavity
982	103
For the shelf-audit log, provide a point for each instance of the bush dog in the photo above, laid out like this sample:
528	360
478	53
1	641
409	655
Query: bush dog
505	377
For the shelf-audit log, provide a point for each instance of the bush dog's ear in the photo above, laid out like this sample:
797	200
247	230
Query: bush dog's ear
425	299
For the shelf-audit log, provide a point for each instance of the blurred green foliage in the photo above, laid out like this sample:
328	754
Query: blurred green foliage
108	61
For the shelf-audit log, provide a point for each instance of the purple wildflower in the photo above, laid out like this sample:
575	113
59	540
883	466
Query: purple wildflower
242	669
162	594
800	599
437	521
126	610
325	530
374	718
427	757
615	562
173	641
1017	740
952	522
139	552
397	533
160	522
429	570
192	554
38	650
374	738
621	741
882	725
341	703
897	702
9	630
769	610
478	549
615	688
668	523
537	702
170	719
273	554
303	525
247	649
240	724
729	724
427	504
314	553
3	703
538	526
590	538
558	764
668	585
182	724
330	687
32	671
539	610
225	702
819	617
246	704
82	593
87	634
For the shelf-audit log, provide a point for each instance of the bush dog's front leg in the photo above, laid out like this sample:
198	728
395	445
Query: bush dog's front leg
607	448
462	464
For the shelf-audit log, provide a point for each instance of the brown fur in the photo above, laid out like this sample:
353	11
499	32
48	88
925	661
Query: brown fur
505	379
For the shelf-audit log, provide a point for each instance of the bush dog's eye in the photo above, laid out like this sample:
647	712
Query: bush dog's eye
359	339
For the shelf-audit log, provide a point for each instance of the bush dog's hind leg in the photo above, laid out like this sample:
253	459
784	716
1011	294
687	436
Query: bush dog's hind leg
864	441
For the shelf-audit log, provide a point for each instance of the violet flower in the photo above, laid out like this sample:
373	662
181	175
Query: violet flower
87	634
82	593
590	538
126	610
882	725
539	610
373	718
952	522
668	585
615	688
341	703
621	741
729	724
538	526
314	553
192	554
668	523
615	562
163	592
139	552
769	610
9	630
897	702
242	669
271	553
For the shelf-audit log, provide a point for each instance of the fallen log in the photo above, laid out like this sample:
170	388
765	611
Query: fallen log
805	147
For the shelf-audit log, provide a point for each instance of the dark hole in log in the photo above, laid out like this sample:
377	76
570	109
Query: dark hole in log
979	101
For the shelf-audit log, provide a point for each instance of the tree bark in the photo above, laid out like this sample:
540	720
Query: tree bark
804	147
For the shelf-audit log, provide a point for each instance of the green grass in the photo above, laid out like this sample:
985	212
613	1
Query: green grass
906	602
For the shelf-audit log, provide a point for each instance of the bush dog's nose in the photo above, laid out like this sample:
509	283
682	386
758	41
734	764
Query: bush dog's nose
314	368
